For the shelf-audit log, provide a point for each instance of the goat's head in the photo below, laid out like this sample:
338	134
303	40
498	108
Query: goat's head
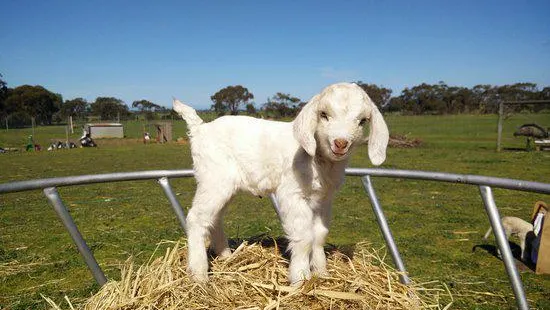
331	124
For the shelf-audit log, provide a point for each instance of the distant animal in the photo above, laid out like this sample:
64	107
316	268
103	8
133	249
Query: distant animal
531	130
301	162
87	141
8	149
61	145
517	227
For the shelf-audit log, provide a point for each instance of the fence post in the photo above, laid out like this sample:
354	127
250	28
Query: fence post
499	125
504	247
53	196
385	228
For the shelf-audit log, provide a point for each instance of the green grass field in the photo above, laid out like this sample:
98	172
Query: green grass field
437	226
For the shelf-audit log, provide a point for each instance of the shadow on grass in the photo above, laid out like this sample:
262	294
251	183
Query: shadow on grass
515	149
516	252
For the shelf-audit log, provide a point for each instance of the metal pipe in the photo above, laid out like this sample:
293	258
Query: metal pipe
385	229
54	198
512	184
543	188
180	214
502	242
92	178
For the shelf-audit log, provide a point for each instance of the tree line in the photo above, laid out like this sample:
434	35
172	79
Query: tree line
425	98
481	99
19	104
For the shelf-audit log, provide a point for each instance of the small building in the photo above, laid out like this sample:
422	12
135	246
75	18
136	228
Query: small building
105	130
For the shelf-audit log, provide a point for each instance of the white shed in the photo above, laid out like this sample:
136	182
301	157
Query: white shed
105	130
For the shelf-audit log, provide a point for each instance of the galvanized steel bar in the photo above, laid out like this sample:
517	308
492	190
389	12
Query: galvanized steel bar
180	214
502	242
385	228
92	178
512	184
520	185
54	198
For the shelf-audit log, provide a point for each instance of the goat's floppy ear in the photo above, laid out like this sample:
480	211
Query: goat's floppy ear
378	135
304	126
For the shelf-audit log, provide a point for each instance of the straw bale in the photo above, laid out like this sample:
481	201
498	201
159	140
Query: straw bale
254	277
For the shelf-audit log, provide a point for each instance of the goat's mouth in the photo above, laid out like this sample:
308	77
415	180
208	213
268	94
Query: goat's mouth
339	153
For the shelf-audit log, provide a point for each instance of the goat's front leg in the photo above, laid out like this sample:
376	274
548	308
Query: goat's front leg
297	219
321	221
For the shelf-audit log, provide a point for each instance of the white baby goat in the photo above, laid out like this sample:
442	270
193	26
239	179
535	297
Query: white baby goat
301	162
517	227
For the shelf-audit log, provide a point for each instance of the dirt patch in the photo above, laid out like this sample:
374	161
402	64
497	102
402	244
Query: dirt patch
402	141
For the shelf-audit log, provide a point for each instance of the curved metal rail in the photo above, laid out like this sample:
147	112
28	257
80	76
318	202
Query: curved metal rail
49	187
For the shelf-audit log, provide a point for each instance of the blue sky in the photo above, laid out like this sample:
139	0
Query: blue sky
154	50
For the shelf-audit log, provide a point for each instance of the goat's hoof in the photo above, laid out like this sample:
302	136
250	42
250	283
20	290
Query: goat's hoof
225	254
297	283
199	278
321	273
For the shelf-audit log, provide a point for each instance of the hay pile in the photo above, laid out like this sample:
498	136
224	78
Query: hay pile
254	277
403	141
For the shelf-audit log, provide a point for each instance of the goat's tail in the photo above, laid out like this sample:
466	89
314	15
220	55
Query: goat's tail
488	233
188	114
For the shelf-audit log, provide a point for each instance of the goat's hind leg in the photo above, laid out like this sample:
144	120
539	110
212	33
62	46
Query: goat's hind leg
218	239
203	217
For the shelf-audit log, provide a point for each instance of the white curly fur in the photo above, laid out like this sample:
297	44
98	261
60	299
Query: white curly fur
301	162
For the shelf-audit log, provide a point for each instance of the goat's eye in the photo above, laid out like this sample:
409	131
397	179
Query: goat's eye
362	122
324	116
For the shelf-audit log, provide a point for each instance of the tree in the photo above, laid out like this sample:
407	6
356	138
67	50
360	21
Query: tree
230	98
28	101
109	108
3	88
77	107
145	105
434	99
251	109
282	105
380	95
485	98
147	108
3	95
